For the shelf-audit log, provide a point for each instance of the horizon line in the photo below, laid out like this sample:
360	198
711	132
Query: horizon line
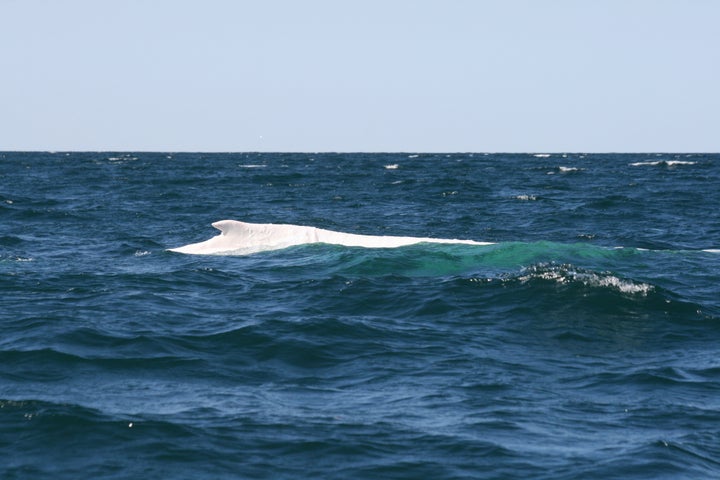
350	152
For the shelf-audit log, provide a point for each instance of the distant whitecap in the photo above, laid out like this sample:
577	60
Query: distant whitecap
669	163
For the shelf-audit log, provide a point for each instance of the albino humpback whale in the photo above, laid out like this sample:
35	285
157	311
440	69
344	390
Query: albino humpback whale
242	238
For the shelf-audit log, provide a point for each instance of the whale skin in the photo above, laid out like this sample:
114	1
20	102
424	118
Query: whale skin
244	238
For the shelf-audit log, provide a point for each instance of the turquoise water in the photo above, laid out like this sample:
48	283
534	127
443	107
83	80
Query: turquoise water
582	344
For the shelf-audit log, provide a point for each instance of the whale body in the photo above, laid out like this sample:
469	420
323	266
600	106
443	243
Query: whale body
241	238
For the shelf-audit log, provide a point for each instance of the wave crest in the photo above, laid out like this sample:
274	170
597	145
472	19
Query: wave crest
567	274
662	163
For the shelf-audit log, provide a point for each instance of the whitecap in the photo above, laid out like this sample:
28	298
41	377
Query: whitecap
639	249
252	165
541	155
669	163
569	169
141	253
712	250
525	198
394	166
413	156
568	274
624	286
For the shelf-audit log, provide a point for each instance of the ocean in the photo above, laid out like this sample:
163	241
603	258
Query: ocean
583	342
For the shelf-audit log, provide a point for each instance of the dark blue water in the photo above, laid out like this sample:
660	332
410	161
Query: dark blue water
583	344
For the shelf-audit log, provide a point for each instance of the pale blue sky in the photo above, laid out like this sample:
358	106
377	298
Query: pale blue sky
365	75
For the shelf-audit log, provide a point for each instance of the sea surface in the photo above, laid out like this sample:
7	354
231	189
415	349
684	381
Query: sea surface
583	343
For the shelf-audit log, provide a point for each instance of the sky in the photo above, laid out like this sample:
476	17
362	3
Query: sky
360	75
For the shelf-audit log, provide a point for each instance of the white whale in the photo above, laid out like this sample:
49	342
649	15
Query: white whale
241	238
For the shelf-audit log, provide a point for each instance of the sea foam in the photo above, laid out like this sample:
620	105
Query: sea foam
567	274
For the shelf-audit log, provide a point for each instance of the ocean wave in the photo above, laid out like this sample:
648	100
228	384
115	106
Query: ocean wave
563	169
320	260
241	238
73	428
569	274
10	240
666	163
57	359
50	419
607	294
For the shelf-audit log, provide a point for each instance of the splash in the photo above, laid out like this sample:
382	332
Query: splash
568	274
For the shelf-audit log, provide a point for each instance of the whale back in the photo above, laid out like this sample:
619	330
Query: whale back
270	234
245	238
242	238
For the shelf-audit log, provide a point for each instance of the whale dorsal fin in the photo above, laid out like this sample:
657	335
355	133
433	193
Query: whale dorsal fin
225	226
